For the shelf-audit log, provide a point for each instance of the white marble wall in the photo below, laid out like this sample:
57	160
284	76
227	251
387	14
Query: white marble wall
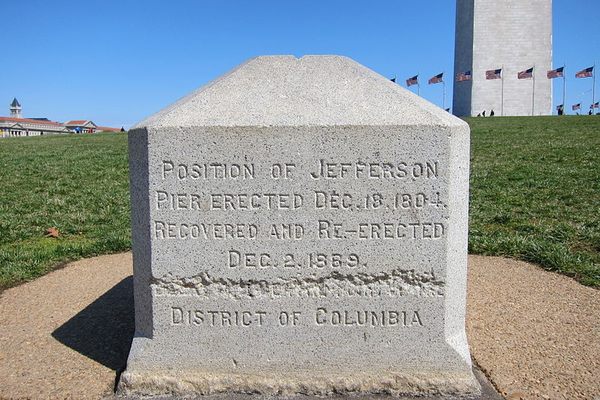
509	34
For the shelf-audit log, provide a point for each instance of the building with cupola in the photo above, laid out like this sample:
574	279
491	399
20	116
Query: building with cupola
17	126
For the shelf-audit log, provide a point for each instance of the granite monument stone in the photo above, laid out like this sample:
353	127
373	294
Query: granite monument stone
300	226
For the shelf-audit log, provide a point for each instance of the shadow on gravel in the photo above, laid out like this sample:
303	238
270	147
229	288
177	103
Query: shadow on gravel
103	330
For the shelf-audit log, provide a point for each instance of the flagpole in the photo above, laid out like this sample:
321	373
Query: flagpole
593	87
502	92
444	95
564	88
533	92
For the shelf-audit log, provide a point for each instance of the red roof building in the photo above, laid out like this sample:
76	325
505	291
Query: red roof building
16	126
81	126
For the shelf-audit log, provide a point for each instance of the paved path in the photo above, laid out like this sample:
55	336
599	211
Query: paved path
536	334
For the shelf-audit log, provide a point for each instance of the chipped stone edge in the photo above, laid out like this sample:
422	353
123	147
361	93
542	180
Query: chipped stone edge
206	383
398	282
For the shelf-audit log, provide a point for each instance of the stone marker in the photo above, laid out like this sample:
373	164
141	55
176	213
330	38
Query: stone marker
300	226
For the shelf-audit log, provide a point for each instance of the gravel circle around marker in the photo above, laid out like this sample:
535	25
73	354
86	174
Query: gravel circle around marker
534	333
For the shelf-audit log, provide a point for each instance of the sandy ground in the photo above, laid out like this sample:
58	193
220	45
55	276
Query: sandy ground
535	334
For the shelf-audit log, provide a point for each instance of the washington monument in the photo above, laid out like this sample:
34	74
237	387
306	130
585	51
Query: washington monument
503	38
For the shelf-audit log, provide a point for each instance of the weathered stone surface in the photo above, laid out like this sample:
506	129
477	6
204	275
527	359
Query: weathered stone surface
488	392
300	226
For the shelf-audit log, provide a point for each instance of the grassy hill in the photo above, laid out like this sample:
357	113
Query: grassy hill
535	195
76	183
535	192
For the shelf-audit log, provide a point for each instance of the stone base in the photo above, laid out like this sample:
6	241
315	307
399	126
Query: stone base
129	383
279	384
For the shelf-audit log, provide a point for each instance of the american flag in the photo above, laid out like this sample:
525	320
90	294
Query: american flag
585	73
528	73
493	74
575	107
595	105
412	81
463	76
556	73
436	79
559	107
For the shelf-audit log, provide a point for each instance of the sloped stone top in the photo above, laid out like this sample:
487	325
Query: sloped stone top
306	91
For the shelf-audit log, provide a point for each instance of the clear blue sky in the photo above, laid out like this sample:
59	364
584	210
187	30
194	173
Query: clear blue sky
115	62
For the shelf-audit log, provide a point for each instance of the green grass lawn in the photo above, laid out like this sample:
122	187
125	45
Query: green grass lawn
76	183
535	192
535	196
